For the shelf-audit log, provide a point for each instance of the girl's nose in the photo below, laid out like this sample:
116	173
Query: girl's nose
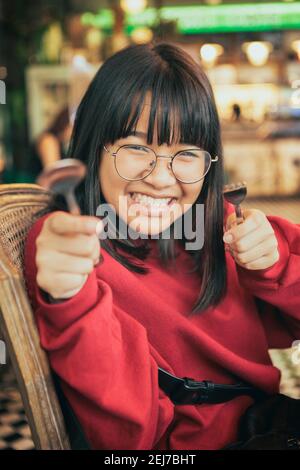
162	173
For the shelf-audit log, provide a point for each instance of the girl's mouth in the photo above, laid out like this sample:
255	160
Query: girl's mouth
150	206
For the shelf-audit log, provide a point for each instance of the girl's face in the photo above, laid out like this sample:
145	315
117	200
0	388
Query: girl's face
140	213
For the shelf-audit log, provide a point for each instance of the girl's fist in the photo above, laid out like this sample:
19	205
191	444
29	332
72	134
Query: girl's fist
253	243
68	248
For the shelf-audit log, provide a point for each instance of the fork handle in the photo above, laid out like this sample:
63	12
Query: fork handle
239	214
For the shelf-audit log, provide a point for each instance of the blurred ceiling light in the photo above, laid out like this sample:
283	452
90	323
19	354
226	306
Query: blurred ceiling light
210	52
257	52
133	6
93	38
213	2
52	41
296	47
142	35
79	63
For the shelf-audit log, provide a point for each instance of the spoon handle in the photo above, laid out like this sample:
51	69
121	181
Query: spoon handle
239	214
72	203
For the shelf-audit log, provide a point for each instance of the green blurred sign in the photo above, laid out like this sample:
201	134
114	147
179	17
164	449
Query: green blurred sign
210	19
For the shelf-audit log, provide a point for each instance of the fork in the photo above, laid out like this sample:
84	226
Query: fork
235	193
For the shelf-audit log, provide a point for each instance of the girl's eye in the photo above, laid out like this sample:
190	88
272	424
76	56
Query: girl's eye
189	154
140	148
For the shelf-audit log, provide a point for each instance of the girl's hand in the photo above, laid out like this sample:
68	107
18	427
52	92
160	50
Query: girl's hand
68	248
253	243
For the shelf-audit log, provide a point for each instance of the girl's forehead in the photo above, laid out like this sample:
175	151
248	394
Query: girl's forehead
142	124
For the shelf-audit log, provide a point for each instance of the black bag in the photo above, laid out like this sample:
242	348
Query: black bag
271	423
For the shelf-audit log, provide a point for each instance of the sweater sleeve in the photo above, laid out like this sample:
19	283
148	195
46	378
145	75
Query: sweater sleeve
102	355
279	286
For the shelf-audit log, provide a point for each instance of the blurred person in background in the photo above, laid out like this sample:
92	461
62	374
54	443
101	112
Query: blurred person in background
52	144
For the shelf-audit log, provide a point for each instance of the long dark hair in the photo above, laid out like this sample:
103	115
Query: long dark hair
183	102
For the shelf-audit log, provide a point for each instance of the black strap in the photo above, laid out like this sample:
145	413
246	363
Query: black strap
182	391
187	391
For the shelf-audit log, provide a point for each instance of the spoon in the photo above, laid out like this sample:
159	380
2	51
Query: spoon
235	193
62	177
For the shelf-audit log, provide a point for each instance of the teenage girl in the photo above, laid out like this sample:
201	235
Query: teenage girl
148	131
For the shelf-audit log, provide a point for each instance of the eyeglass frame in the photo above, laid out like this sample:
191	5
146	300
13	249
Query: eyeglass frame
114	154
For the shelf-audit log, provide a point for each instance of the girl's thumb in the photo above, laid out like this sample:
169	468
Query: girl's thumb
231	221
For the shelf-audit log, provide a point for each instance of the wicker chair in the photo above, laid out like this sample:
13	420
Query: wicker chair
20	206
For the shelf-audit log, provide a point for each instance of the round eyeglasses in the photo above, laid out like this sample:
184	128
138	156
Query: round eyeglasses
136	162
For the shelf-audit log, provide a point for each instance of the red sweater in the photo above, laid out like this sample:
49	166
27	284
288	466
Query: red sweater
107	342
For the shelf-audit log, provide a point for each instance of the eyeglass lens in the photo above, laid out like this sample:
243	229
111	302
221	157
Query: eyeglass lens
137	162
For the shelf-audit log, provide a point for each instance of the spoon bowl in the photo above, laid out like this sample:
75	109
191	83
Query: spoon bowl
62	177
235	193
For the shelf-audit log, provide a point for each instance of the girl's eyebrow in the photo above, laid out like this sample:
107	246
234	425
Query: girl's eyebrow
143	135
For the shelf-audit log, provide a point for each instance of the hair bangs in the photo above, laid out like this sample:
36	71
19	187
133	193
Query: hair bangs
179	110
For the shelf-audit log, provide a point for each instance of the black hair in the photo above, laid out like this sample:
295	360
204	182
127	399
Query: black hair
184	106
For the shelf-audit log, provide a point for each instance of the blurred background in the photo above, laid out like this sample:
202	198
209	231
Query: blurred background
50	50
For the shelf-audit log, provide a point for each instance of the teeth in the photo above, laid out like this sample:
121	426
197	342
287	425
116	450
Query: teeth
150	200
